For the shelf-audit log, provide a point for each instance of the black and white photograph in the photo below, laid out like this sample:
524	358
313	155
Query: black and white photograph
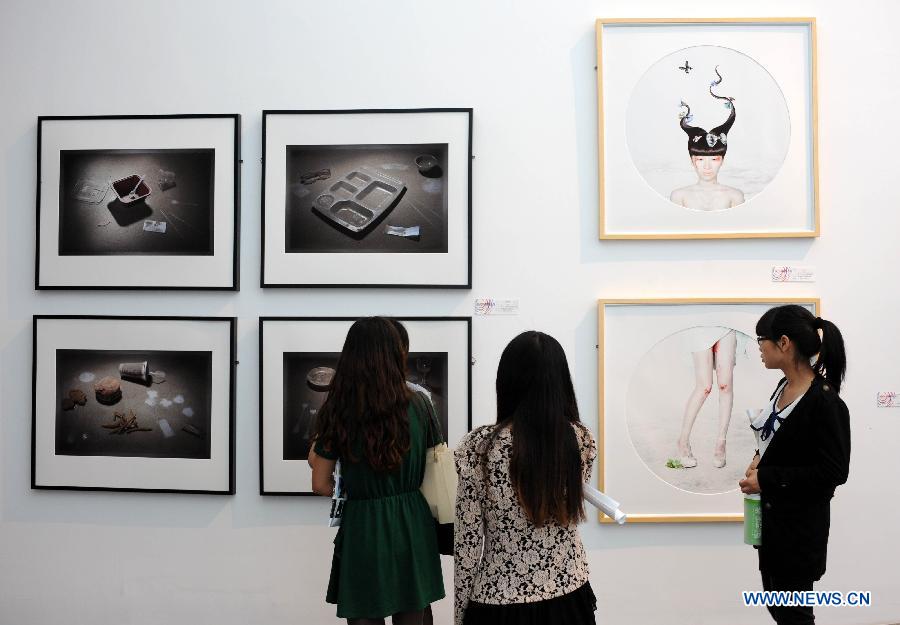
367	198
152	404
298	358
134	403
120	202
306	379
138	202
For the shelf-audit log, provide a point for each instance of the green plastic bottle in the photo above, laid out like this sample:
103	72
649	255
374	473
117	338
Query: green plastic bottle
752	520
752	503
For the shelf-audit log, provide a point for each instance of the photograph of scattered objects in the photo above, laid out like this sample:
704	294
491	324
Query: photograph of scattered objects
152	202
366	198
152	404
307	378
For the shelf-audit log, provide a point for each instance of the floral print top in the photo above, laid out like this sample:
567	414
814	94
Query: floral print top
500	556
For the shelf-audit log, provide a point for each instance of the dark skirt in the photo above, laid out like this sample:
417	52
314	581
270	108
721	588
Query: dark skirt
574	608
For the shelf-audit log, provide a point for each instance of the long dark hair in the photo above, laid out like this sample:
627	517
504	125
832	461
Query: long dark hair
402	334
801	326
535	397
366	405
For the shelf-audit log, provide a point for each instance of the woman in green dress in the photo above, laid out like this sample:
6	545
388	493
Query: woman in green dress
386	560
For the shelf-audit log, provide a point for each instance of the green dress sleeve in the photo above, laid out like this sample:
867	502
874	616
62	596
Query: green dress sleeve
321	451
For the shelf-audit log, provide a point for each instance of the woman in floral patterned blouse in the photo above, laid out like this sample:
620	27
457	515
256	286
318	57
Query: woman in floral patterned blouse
519	557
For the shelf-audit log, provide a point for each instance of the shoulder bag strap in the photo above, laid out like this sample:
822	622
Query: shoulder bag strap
434	428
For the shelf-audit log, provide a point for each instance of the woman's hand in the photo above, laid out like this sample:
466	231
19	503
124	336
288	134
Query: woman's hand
753	464
750	484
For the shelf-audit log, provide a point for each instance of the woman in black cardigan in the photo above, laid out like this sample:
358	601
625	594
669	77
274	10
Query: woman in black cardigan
807	430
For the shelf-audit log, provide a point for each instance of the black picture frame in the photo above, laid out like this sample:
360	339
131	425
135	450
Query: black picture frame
232	363
234	277
464	284
467	321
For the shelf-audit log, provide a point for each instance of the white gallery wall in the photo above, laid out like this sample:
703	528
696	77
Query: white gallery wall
527	68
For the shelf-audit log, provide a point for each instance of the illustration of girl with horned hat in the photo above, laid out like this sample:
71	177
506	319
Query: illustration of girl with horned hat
707	151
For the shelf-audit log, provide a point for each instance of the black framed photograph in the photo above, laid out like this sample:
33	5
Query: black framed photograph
133	403
298	356
367	198
138	202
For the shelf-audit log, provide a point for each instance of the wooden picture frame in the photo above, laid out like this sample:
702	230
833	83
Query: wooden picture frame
642	401
768	186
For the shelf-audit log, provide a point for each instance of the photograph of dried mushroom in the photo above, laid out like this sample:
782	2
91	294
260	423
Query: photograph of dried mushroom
138	202
308	374
134	403
367	198
153	404
298	359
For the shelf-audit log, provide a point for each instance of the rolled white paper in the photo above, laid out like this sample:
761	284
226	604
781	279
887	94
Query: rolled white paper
606	504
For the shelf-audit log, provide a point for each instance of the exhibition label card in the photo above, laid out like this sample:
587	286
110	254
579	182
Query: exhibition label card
489	306
888	399
786	273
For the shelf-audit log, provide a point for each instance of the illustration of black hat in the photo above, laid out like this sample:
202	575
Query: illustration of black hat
715	141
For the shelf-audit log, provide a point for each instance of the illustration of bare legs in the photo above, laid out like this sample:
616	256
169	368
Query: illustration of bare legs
725	357
703	374
719	358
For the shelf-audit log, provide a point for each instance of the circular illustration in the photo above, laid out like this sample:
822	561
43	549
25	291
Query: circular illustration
708	128
687	407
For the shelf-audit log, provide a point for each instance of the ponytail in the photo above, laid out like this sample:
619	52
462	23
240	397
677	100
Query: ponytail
802	327
832	361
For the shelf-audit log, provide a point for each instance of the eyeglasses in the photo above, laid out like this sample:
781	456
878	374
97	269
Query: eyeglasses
760	339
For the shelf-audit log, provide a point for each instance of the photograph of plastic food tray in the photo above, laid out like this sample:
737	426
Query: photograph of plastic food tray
408	226
359	200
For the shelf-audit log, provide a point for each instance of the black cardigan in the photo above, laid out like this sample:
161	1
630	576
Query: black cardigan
808	456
